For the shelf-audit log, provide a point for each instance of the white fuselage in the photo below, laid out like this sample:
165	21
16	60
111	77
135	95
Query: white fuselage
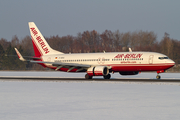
117	61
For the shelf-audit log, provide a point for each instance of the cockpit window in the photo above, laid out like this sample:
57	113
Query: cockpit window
162	58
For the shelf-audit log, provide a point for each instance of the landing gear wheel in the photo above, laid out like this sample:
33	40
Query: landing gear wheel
88	77
107	76
158	77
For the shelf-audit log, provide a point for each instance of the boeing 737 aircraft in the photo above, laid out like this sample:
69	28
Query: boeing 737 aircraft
95	64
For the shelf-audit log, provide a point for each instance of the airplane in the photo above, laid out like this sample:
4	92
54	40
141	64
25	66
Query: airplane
95	64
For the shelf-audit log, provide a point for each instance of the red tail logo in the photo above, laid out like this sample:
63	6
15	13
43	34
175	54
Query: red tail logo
40	41
34	31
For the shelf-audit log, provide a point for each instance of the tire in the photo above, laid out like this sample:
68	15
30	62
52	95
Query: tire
107	76
158	77
88	77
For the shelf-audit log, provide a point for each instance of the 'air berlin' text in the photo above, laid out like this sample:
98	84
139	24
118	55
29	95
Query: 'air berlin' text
128	56
40	41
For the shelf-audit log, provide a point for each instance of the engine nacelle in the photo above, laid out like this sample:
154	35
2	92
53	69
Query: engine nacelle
129	73
98	71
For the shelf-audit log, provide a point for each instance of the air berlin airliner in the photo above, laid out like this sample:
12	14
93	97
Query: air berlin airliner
95	64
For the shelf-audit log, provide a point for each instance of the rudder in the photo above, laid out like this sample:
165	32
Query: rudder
41	47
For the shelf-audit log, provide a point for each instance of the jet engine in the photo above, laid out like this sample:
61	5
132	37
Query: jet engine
129	73
98	71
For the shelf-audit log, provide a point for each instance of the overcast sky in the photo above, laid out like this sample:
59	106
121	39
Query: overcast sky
68	17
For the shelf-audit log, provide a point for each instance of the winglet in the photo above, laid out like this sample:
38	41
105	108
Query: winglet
19	55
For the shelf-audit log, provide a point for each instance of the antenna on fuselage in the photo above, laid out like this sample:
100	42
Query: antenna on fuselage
130	50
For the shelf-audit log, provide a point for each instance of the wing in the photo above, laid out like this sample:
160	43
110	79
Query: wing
70	66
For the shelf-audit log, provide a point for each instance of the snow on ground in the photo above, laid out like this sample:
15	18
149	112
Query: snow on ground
87	100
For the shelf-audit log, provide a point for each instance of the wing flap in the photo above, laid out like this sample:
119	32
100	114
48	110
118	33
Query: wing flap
59	65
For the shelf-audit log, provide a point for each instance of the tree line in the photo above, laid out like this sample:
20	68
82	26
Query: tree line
89	42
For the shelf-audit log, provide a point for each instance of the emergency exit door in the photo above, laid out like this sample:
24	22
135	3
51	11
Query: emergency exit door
151	59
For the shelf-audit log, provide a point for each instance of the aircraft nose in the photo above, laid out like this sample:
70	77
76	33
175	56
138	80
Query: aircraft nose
171	62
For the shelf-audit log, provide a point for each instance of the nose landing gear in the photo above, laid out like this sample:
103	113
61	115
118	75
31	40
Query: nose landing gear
158	76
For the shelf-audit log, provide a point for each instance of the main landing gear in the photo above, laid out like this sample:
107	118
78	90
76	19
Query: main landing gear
105	77
88	77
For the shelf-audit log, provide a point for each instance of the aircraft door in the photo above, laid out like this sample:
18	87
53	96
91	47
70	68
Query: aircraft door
151	59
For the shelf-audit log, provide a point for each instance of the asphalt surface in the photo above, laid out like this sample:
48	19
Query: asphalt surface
83	79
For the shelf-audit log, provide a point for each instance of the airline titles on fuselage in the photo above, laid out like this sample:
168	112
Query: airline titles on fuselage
128	56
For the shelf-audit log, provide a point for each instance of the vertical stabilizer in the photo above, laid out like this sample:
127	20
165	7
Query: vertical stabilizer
41	47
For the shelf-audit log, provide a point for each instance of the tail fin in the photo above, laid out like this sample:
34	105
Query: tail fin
41	47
